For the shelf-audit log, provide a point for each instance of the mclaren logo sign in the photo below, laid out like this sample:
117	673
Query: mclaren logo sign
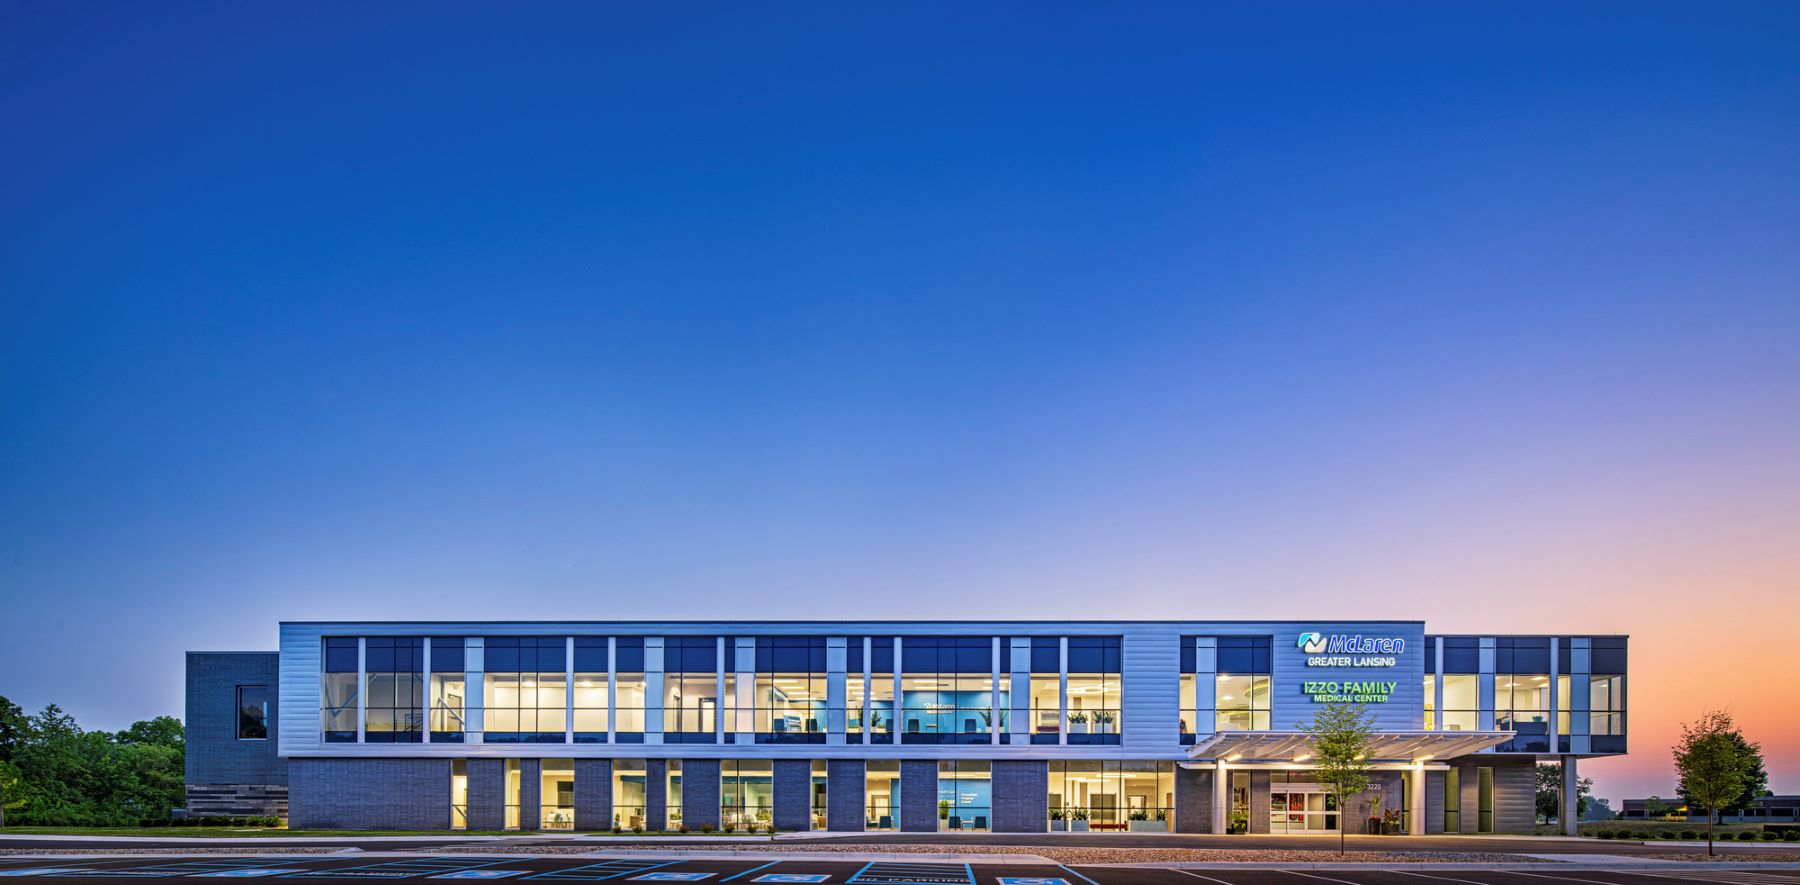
1352	650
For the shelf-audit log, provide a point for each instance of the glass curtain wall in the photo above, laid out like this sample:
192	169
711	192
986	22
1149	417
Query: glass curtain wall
514	790
948	690
1112	795
881	795
965	794
338	691
394	669
882	712
820	783
459	794
628	794
1045	697
746	794
1094	714
1522	691
1299	805
1241	694
690	690
628	709
556	794
1189	694
1462	694
449	689
672	797
856	689
591	710
790	690
526	690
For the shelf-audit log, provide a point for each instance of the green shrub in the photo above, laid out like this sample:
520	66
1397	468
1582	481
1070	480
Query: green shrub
1746	836
1689	834
1603	834
1791	836
1770	836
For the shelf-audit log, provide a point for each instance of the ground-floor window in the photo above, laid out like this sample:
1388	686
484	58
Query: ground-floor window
672	796
820	782
556	794
1111	795
746	795
1484	800
628	793
1453	801
881	796
1298	805
1239	821
459	794
512	794
965	795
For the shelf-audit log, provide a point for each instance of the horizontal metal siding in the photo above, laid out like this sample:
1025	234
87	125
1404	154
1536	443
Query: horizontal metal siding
301	651
1151	665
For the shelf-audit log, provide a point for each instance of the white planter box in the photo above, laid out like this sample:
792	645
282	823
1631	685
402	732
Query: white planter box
1059	826
1079	826
1148	826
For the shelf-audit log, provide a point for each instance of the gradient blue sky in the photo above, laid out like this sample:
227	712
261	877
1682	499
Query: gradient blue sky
1483	314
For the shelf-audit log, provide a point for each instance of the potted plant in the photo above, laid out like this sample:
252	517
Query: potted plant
1078	723
943	809
1103	720
1140	822
1390	822
1080	823
1374	823
1238	823
1058	821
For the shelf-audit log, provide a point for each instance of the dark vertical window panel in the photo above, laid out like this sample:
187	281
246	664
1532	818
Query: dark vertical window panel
690	654
630	652
590	654
253	712
1462	654
340	654
1046	654
1188	663
853	655
447	654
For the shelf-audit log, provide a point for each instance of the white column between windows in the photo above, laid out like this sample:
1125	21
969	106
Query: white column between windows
569	690
1416	814
425	733
612	690
362	687
868	682
1062	691
1221	796
898	726
719	692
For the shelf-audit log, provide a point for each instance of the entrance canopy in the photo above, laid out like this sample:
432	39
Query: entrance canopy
1387	746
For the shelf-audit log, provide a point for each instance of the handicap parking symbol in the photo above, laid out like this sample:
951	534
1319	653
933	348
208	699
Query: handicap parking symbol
41	871
480	874
1031	880
671	877
793	877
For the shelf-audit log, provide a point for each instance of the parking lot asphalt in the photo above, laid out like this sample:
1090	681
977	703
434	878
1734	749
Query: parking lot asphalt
674	868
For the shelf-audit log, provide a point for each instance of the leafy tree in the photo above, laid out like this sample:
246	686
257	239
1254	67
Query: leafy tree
13	728
1756	780
55	774
11	789
1549	791
1340	734
1714	763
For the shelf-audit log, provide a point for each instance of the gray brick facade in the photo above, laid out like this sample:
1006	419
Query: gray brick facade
919	795
700	793
1193	800
369	794
845	783
793	794
531	785
593	794
1259	802
656	794
225	774
1021	791
487	794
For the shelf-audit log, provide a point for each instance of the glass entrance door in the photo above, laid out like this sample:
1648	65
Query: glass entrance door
1301	808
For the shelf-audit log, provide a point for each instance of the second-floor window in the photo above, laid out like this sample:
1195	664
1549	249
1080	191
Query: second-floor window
526	692
790	689
690	689
1094	690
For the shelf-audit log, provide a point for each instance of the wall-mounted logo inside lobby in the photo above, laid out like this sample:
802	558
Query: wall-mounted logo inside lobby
1350	650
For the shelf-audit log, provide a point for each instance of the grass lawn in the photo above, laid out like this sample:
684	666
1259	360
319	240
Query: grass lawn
233	832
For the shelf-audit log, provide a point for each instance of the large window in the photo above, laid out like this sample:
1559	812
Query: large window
690	690
672	796
746	794
526	695
449	689
821	783
1462	702
1522	692
628	706
589	699
1111	795
556	794
1189	694
790	689
338	691
514	794
1430	701
1606	705
1241	694
395	674
965	794
253	712
881	795
948	690
1045	696
459	794
628	777
1094	708
882	711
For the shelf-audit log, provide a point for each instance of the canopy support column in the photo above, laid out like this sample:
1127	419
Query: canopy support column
1221	796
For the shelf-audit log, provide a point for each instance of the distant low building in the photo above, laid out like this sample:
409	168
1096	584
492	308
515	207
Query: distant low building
1765	810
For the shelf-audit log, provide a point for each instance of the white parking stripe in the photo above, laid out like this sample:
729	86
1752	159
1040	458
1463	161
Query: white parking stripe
1322	878
1429	876
1561	878
1198	876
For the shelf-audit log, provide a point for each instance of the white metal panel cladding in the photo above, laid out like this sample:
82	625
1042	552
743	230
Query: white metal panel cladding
301	665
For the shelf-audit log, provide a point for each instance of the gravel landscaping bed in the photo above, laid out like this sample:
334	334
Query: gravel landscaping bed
1792	857
76	848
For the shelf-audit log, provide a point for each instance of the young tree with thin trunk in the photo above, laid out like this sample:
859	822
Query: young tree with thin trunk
1714	763
1341	737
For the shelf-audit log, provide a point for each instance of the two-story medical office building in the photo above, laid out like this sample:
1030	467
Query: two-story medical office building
1025	726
